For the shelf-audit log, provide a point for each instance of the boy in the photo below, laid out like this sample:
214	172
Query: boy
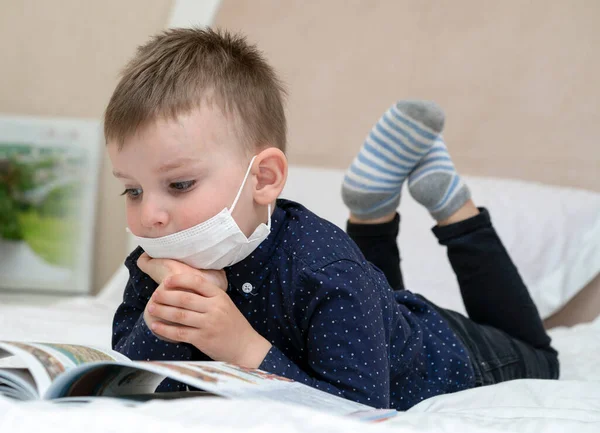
196	132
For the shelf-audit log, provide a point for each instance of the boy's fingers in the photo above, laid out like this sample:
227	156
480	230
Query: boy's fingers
179	333
175	315
195	282
181	298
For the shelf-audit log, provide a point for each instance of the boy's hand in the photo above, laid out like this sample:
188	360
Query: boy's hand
159	269
191	308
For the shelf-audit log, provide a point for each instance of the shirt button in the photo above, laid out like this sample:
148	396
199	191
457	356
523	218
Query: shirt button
247	288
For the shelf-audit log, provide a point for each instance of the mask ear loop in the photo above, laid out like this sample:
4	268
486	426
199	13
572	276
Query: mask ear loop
237	197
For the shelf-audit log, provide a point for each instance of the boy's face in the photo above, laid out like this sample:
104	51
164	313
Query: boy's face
179	173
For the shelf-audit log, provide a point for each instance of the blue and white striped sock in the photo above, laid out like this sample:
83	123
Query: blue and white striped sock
393	148
436	185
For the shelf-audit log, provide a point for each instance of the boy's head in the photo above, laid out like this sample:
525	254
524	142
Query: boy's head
190	111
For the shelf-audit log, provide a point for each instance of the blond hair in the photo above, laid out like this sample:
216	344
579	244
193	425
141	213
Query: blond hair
179	69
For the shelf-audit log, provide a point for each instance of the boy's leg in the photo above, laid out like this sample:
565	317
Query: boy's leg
504	331
503	317
497	357
492	289
377	241
373	182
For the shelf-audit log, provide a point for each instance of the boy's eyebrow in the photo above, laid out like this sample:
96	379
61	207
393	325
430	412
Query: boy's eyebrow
119	175
176	163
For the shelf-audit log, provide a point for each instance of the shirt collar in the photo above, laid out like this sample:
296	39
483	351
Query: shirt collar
248	276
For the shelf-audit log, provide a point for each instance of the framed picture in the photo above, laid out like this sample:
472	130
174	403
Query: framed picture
48	192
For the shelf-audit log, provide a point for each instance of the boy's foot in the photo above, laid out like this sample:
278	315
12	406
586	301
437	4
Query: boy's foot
436	185
398	141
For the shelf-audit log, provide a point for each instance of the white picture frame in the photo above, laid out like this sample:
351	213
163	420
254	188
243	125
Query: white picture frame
48	192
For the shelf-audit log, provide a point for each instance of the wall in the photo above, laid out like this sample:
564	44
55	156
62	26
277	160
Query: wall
518	80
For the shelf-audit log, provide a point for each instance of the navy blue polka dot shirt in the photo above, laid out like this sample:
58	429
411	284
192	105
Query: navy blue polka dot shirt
333	320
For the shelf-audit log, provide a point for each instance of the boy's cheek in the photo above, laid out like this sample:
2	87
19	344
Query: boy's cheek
133	221
197	210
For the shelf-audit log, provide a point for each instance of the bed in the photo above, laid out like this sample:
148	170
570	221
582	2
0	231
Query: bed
553	234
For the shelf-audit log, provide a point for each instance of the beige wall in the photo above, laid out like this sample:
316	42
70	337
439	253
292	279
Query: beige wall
518	80
62	58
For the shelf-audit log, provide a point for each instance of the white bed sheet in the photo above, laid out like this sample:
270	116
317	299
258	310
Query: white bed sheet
571	404
519	406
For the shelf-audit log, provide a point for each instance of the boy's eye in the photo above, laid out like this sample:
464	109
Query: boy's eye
182	186
132	193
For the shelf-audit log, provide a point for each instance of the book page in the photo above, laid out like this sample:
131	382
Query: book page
17	383
258	384
106	380
233	381
77	354
47	361
226	380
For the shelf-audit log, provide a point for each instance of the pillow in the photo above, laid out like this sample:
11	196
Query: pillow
552	233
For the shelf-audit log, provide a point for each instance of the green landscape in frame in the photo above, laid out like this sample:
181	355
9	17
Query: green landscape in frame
48	170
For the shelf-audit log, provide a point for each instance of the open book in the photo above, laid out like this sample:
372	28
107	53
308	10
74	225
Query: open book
68	372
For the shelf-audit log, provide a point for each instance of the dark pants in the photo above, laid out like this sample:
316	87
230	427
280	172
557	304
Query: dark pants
504	332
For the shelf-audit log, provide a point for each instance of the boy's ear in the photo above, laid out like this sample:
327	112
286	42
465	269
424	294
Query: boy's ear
271	169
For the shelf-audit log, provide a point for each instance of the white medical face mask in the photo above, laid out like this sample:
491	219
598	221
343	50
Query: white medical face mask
213	244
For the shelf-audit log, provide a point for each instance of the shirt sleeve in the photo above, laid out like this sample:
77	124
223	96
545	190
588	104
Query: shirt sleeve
131	336
346	337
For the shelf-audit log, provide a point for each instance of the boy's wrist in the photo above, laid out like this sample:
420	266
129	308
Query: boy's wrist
257	349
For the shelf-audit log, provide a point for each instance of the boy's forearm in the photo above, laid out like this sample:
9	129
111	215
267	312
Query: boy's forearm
139	343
